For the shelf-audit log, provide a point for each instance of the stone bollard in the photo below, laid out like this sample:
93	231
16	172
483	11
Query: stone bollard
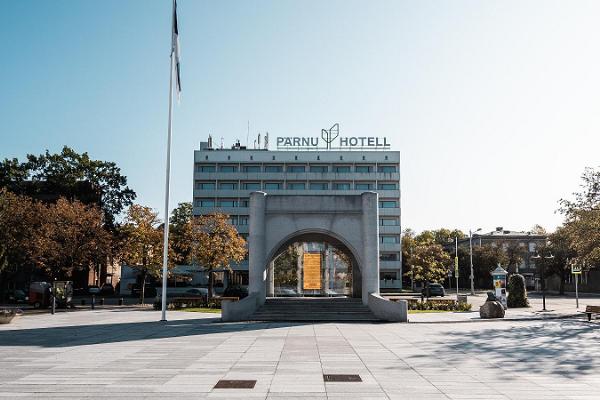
121	301
93	302
102	301
83	302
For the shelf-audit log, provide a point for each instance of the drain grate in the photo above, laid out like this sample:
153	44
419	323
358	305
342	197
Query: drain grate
341	378
234	384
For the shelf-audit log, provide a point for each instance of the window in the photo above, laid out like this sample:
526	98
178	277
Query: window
205	168
251	168
295	168
243	220
233	219
387	168
389	257
388	186
389	221
296	186
273	168
390	239
319	168
228	203
251	185
227	168
341	168
244	202
206	202
388	204
228	185
388	275
272	185
363	169
319	186
205	185
341	186
363	186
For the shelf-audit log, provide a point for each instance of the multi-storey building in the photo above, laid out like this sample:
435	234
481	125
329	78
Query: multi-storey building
224	179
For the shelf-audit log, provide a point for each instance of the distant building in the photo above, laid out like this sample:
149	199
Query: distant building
502	237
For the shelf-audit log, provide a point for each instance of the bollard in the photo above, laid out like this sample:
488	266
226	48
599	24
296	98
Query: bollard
93	301
83	302
102	301
121	301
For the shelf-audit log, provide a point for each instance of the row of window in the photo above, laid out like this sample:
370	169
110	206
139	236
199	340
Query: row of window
246	202
297	185
298	168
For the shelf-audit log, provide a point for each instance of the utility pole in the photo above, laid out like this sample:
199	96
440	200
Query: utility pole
456	266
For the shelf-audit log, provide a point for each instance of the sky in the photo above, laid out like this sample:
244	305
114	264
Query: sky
492	104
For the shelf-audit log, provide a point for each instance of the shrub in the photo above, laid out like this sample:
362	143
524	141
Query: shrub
517	293
439	305
235	291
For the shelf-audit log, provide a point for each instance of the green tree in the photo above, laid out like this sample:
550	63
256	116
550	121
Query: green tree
517	292
427	259
214	243
180	219
559	246
515	254
485	259
71	175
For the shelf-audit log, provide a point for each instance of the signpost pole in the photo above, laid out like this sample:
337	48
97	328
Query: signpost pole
576	292
456	267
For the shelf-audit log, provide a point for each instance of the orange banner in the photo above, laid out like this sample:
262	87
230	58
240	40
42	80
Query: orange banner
312	271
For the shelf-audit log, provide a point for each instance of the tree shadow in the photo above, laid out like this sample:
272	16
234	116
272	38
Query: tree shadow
81	335
566	348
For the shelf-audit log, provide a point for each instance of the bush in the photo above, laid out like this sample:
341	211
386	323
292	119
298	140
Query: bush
439	305
517	293
236	291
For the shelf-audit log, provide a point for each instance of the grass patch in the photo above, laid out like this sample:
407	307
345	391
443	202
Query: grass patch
427	311
202	310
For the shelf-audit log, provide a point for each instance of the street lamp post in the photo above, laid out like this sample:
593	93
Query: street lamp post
471	258
539	257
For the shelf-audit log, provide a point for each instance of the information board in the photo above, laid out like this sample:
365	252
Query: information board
312	271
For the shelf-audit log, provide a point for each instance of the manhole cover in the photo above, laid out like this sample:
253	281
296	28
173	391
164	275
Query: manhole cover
341	378
234	384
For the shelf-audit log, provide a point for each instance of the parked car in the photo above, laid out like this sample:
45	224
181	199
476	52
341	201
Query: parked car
435	289
18	296
39	294
196	292
150	290
107	289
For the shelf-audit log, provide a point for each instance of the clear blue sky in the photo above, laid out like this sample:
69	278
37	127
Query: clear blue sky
493	104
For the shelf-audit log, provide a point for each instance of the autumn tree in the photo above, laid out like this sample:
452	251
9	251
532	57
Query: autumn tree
213	243
582	219
563	255
426	259
70	237
142	246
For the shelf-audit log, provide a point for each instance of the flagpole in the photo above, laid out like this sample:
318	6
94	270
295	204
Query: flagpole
167	190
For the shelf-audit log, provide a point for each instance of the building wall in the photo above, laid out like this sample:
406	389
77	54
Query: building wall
224	179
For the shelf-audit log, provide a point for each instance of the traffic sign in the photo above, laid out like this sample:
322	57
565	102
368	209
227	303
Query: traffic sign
575	269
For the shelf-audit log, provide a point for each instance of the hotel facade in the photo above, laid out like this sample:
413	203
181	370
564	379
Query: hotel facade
224	179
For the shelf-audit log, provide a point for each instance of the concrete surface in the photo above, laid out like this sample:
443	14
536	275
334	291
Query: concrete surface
128	354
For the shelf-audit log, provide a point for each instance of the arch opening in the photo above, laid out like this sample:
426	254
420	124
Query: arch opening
313	264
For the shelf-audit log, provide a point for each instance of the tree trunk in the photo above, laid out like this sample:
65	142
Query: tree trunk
142	292
561	289
210	285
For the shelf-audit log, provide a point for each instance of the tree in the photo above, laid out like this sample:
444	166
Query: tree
559	246
71	175
19	223
582	219
179	221
142	247
286	265
515	254
214	244
485	259
427	260
71	237
517	292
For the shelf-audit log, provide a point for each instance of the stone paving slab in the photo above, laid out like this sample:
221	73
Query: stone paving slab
129	354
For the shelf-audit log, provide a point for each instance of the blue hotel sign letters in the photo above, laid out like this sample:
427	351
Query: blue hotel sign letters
331	139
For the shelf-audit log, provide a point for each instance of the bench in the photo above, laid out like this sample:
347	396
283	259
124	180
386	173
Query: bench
589	310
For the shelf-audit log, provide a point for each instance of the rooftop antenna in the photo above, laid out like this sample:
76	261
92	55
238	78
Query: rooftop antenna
255	144
259	140
267	141
209	141
221	142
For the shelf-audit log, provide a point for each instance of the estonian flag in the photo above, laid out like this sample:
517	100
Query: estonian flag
175	49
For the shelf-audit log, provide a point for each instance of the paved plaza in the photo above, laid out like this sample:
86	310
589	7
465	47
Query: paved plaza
127	354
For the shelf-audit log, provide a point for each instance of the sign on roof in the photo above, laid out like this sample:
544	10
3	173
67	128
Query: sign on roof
330	139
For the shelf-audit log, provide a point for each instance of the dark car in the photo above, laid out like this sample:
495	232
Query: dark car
434	289
18	296
107	289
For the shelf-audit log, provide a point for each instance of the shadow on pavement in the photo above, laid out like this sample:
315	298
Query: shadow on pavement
81	335
568	348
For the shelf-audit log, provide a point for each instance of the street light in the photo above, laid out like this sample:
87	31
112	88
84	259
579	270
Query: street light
471	257
538	257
